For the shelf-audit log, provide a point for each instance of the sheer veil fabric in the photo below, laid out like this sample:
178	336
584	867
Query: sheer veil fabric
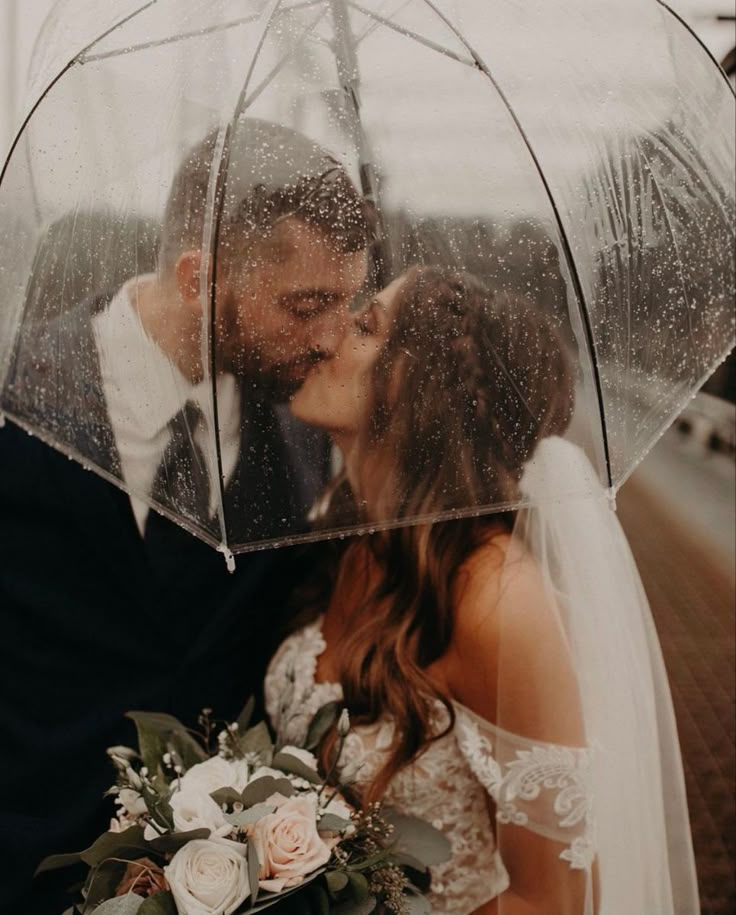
617	801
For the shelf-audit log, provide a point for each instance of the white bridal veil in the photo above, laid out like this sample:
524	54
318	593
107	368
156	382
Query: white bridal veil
618	802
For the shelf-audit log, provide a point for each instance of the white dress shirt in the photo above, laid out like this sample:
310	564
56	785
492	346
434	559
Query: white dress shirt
144	390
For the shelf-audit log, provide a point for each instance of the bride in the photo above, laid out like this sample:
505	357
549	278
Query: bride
501	672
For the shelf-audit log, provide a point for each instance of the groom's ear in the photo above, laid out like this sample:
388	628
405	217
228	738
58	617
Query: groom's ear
187	272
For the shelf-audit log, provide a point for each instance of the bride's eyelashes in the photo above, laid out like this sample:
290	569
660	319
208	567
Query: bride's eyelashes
366	322
363	326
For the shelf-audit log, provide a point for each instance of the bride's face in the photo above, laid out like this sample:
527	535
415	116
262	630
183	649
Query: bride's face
336	395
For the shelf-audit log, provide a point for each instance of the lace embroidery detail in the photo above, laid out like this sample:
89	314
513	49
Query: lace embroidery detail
291	693
525	786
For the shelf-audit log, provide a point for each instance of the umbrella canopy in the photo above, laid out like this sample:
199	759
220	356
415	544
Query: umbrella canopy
204	192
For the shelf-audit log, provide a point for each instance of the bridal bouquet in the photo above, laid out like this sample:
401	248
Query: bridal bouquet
222	821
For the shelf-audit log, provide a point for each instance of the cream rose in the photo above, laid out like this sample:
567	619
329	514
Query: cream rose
192	806
208	878
287	842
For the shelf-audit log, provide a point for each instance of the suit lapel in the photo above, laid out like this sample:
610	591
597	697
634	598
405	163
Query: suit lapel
55	385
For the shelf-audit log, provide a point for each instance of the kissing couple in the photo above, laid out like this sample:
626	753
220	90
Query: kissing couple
487	632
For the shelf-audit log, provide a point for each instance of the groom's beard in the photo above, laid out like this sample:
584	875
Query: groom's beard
259	365
268	379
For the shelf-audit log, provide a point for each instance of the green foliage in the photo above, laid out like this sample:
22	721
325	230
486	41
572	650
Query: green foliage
57	862
170	844
158	734
130	904
290	764
330	822
258	740
262	788
321	723
127	845
417	840
102	881
245	717
251	815
158	904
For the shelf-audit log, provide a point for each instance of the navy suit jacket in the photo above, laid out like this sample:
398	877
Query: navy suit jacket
94	624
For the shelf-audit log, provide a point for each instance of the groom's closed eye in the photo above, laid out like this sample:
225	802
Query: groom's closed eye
308	303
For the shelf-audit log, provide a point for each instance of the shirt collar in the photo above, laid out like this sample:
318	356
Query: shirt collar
145	390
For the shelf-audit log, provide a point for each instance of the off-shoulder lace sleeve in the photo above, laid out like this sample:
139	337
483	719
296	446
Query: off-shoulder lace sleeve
542	786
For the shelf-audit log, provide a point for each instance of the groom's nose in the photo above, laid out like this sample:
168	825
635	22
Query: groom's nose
328	331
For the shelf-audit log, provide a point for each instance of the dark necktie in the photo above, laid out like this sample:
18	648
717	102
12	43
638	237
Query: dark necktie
182	481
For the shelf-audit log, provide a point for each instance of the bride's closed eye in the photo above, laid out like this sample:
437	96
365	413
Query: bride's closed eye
366	322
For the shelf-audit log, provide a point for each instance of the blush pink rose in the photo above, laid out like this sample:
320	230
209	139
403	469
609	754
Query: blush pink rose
287	842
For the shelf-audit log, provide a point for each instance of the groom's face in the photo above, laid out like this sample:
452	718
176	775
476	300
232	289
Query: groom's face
288	308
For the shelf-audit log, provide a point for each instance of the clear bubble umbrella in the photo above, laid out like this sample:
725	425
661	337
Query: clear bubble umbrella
203	194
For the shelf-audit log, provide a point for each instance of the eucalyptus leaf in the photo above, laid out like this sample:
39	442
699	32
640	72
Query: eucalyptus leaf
159	904
418	905
56	862
320	724
330	822
251	815
103	880
228	796
171	843
404	859
128	844
158	732
336	881
288	763
254	866
130	904
262	788
244	718
257	740
418	839
359	886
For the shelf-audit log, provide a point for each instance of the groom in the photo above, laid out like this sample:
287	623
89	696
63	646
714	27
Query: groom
106	605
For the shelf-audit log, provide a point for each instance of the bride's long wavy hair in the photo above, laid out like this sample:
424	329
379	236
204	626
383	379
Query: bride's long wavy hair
468	382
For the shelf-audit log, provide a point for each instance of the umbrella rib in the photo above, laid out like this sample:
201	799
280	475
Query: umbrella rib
216	199
376	22
402	30
703	45
273	73
566	247
209	30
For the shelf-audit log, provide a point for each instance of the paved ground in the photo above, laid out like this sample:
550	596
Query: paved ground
690	583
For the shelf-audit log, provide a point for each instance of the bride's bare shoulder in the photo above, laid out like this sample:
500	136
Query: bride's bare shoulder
499	595
499	574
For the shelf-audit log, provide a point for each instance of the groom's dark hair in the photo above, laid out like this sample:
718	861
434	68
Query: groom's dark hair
266	173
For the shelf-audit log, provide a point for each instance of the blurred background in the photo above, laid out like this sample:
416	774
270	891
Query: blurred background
678	507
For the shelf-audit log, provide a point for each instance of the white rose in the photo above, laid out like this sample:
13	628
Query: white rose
309	759
207	878
287	842
192	806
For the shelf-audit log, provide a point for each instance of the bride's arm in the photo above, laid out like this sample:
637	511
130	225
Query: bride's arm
510	664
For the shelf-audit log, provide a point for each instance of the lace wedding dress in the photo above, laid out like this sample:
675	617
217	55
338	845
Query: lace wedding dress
542	787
